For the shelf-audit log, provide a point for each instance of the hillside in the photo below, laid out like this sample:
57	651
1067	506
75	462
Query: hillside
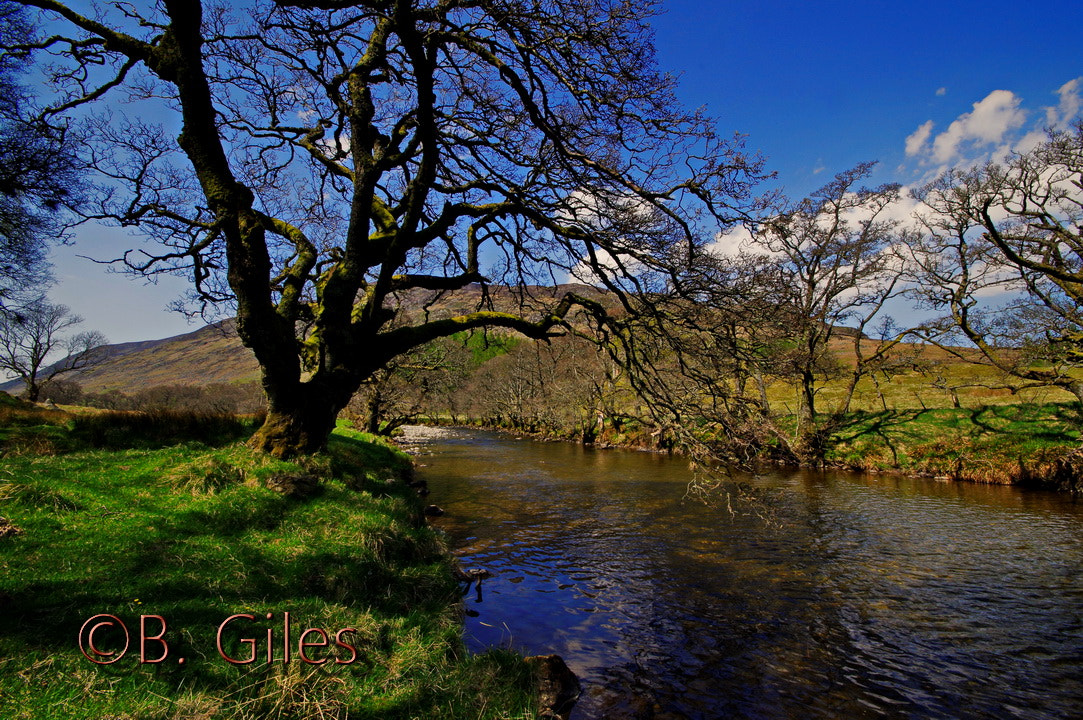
212	354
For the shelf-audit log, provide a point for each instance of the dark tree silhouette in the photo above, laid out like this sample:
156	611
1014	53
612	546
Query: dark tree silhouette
334	157
37	171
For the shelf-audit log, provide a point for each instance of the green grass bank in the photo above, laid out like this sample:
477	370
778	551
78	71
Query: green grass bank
1026	443
188	529
1021	444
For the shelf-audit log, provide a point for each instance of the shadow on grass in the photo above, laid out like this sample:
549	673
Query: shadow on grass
885	427
251	552
191	532
129	547
998	443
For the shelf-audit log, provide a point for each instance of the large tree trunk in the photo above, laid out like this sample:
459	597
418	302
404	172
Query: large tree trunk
851	387
300	423
373	409
1076	388
761	386
809	436
286	435
808	392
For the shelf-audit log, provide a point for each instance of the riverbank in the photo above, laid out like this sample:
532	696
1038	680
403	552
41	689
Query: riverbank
219	551
1034	445
1025	444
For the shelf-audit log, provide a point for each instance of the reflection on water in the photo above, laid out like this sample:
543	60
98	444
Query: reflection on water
870	597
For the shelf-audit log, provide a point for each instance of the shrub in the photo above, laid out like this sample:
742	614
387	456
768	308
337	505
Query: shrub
62	392
215	398
158	427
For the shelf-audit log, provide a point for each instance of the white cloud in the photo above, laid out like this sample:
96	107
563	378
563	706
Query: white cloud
941	92
992	131
1028	142
1070	104
988	123
739	239
593	211
915	143
902	210
732	242
584	273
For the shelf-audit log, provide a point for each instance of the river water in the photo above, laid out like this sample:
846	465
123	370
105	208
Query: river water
833	596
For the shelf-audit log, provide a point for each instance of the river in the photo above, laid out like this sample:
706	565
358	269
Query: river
833	596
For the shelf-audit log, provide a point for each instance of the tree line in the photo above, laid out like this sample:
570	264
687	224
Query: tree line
803	303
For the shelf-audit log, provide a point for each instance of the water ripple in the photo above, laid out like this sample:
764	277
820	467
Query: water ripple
868	597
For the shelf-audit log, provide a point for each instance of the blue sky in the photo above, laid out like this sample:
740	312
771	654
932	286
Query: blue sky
817	86
822	86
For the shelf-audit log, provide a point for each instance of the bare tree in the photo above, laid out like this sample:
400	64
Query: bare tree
837	254
39	332
707	357
335	154
1002	257
697	358
566	387
410	386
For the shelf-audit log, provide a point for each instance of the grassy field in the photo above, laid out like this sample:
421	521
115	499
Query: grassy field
925	377
186	528
1020	443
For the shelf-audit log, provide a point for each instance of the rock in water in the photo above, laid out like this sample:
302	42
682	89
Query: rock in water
558	687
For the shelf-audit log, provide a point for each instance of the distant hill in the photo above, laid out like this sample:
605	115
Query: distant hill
212	354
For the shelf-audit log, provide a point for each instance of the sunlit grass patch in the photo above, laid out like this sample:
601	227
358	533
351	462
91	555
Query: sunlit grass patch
193	534
992	443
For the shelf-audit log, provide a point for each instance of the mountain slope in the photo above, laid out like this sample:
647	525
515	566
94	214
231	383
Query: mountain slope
212	354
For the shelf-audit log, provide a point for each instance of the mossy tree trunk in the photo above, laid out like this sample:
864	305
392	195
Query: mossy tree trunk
300	429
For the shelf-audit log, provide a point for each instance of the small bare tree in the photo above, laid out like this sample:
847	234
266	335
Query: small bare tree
836	255
37	333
